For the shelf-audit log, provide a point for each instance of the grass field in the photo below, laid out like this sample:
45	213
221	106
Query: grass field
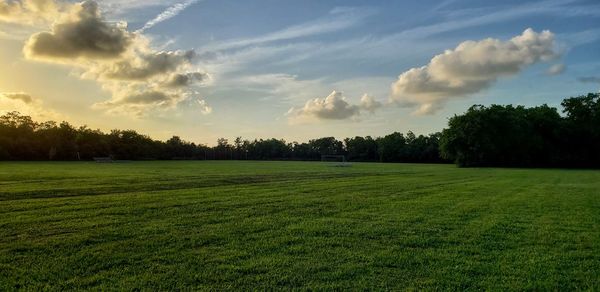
220	225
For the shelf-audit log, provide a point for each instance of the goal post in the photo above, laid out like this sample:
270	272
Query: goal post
339	160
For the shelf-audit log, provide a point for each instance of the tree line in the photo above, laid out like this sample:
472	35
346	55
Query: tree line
22	138
496	135
526	137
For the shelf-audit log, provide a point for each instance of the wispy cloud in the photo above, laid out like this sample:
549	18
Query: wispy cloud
589	79
444	4
497	14
169	13
338	19
127	5
291	42
556	69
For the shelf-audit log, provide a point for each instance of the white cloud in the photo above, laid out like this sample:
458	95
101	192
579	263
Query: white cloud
205	109
169	13
242	54
120	6
469	68
556	69
333	107
368	103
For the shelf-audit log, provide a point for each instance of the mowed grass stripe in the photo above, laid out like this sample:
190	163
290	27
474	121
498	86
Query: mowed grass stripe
398	226
122	186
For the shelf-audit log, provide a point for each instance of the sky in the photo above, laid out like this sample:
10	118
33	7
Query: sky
297	70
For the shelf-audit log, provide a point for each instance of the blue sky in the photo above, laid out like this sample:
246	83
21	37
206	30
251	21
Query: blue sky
267	62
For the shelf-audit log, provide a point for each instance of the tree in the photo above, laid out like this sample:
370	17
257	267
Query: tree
327	146
240	150
303	151
582	137
496	135
361	149
391	147
503	136
223	150
91	143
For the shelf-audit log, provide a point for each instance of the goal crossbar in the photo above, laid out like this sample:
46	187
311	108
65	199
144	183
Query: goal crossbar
331	157
340	160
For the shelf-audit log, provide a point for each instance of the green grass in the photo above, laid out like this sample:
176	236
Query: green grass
258	225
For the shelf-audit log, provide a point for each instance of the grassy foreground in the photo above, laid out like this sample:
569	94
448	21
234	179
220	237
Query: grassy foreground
219	225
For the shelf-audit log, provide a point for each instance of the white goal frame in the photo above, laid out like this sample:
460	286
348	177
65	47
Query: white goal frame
343	161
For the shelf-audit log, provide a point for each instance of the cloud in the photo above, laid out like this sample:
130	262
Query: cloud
24	97
149	97
29	12
368	103
471	67
148	81
80	34
187	79
278	87
333	107
372	48
589	79
139	78
167	14
338	19
143	99
122	7
556	69
205	109
27	105
146	65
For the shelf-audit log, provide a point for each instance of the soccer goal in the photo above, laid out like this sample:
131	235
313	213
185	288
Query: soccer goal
336	160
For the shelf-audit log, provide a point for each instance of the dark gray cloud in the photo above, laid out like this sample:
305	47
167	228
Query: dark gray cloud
148	97
24	97
589	79
186	79
84	34
148	65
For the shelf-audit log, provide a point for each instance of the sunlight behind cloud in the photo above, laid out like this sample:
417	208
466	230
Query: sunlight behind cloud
139	77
